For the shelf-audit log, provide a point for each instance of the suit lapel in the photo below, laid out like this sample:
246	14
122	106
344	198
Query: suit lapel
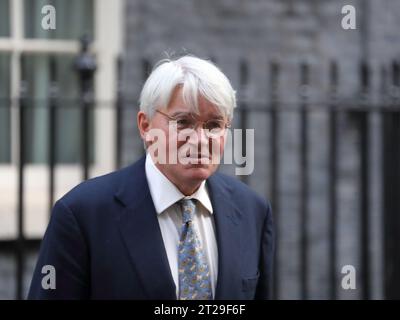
227	221
142	235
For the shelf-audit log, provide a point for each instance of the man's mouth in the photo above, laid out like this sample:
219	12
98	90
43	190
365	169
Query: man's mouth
198	158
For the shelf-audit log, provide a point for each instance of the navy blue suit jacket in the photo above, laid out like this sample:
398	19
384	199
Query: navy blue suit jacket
105	242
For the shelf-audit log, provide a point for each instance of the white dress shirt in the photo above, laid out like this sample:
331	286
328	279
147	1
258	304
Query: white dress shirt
165	195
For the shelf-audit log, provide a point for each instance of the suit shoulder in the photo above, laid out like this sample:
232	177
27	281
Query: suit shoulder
95	189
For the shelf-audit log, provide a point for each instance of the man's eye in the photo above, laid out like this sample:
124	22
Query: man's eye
212	125
183	122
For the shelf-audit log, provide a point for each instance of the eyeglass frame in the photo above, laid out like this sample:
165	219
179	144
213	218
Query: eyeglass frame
226	125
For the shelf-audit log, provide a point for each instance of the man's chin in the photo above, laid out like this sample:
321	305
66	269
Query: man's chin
198	171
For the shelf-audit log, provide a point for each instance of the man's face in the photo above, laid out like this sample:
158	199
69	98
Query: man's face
195	149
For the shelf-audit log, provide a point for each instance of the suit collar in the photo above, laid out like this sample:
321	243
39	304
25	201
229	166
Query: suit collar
133	185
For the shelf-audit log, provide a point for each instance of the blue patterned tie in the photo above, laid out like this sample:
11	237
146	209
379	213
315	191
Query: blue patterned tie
194	275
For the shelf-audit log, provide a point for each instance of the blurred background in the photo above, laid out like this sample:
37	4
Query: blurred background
324	102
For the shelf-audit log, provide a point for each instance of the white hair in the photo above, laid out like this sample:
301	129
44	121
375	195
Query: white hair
196	76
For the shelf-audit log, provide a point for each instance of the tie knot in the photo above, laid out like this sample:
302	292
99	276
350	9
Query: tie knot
188	209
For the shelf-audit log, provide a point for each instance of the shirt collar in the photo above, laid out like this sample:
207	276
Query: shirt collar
164	193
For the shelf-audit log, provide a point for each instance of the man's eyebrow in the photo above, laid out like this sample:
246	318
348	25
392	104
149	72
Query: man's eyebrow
183	113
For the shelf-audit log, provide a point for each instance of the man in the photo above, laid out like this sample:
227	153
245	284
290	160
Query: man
168	226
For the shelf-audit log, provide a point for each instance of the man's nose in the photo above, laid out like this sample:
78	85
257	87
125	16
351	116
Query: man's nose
201	134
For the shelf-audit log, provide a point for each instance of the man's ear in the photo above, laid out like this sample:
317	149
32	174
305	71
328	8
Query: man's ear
143	123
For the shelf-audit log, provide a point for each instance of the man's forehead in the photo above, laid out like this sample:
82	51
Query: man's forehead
179	104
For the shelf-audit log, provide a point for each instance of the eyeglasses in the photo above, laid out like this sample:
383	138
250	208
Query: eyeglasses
213	127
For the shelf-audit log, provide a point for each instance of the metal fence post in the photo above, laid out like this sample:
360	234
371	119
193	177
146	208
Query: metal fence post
52	105
333	177
85	65
20	243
